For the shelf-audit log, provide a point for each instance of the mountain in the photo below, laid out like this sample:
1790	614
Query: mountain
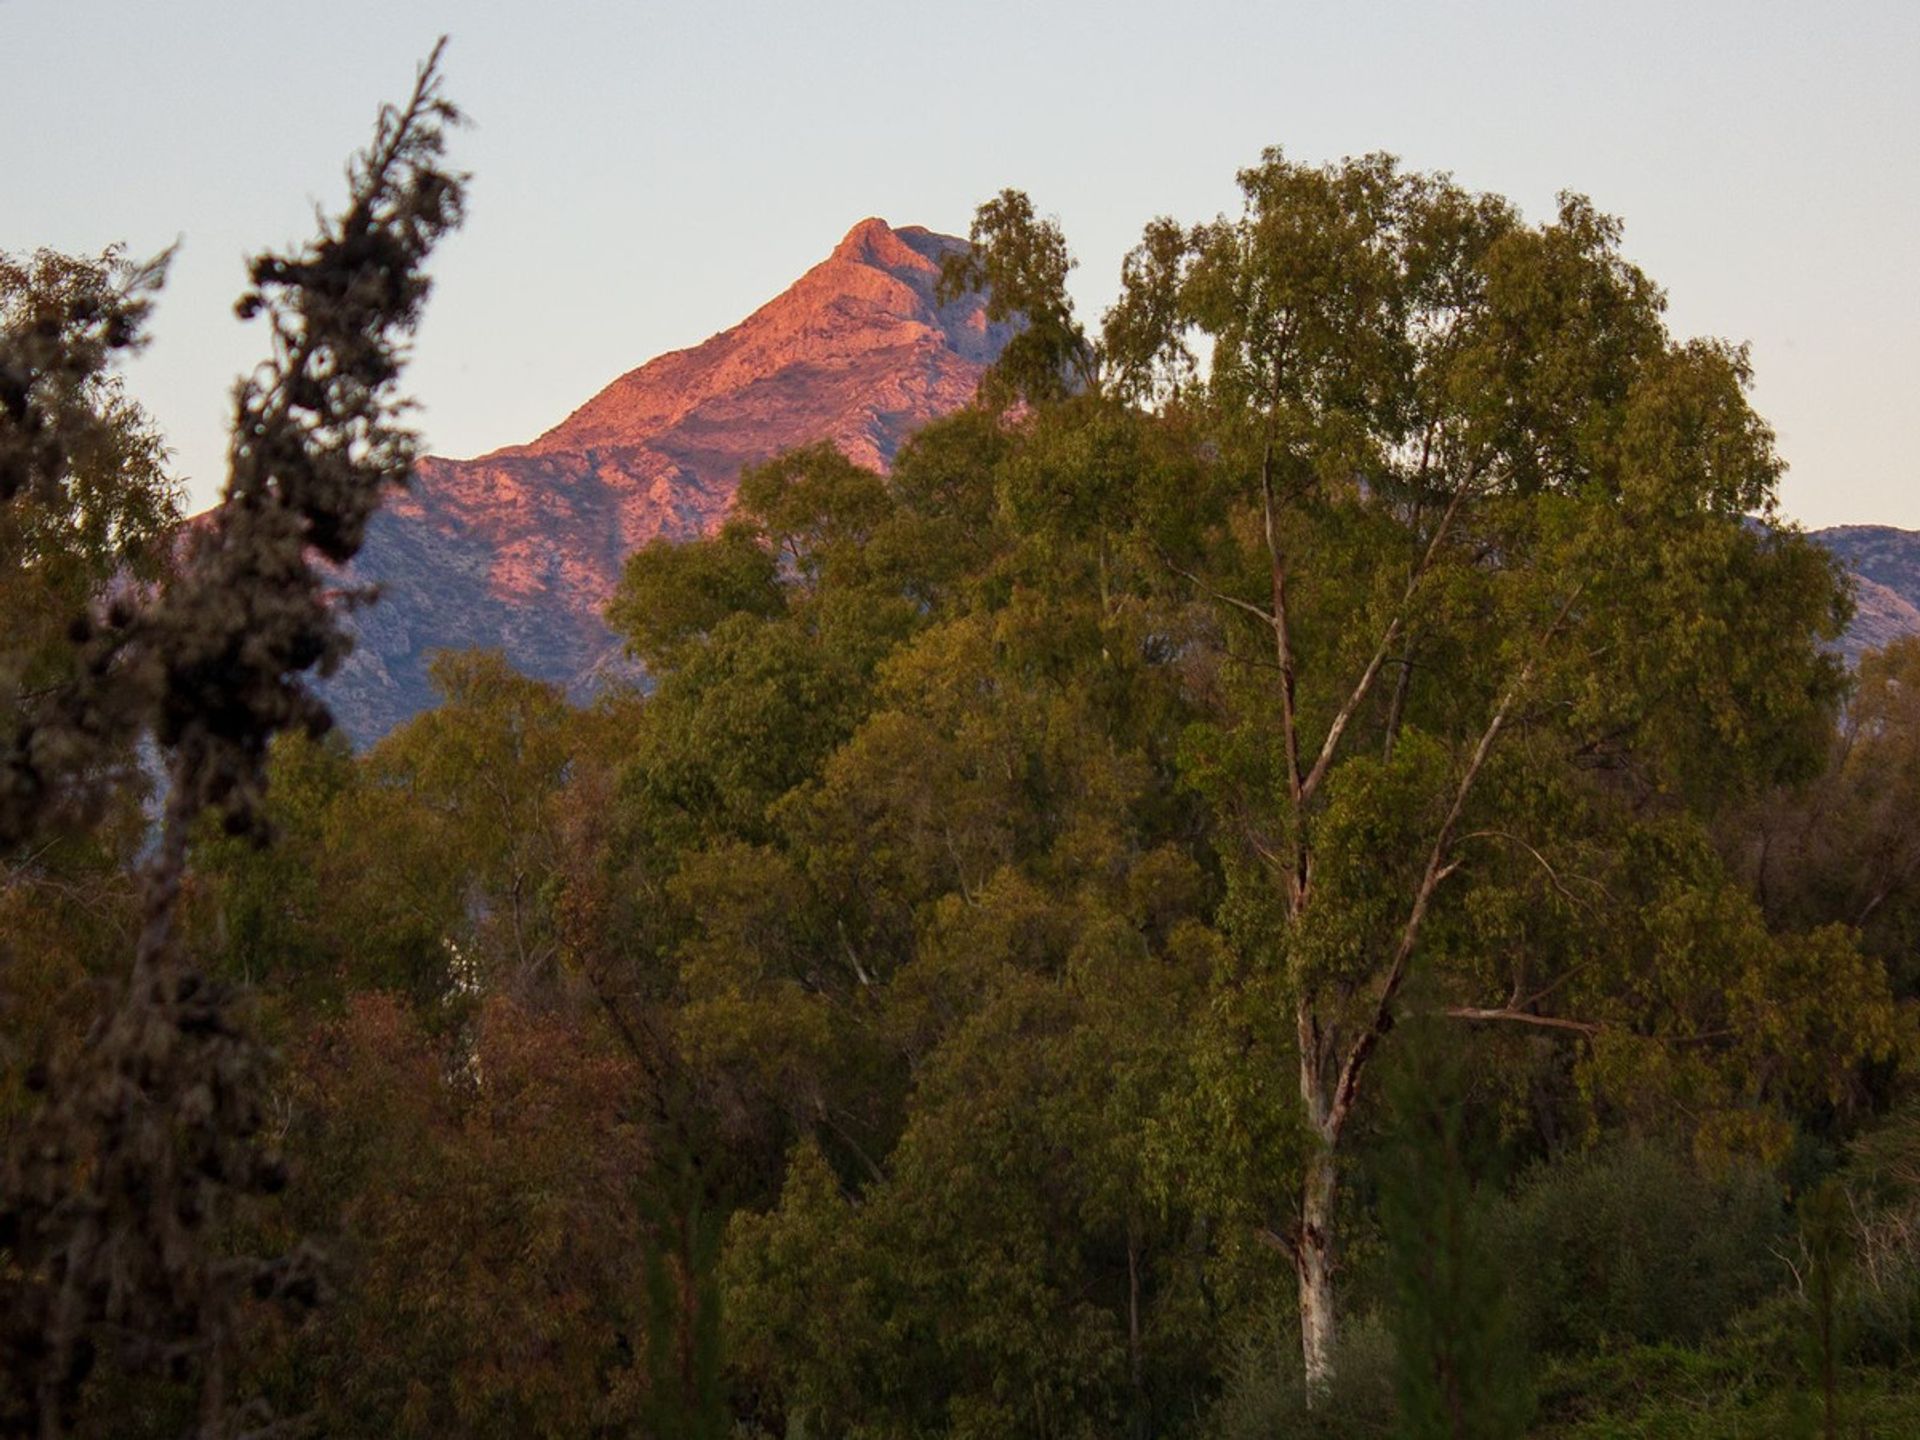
1886	566
521	548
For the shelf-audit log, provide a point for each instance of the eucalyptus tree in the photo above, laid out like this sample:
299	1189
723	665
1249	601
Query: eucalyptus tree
1476	581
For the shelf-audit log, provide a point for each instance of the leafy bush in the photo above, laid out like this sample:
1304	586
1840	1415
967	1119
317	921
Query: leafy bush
1637	1243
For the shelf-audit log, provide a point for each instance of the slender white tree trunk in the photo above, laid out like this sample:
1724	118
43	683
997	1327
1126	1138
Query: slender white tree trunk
1313	1265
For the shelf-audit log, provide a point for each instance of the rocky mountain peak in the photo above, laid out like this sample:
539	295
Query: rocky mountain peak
875	243
521	548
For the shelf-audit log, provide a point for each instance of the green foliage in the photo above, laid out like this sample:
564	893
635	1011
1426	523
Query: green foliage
1843	846
1480	611
105	507
1470	456
673	595
85	501
1021	262
1638	1243
425	866
1882	1186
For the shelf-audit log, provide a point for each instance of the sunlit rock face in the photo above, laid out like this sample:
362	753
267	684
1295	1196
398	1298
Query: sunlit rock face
521	548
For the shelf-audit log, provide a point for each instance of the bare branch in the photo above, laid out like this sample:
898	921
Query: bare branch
1520	1017
1438	867
1553	876
1264	617
1274	1240
1330	747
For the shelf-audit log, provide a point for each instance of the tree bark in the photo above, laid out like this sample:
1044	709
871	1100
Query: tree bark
1313	1265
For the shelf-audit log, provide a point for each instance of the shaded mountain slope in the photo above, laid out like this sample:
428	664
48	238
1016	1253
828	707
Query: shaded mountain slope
1886	564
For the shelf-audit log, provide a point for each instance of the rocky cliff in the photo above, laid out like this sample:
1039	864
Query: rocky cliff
522	547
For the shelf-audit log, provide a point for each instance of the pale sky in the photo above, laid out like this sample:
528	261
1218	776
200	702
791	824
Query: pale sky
646	173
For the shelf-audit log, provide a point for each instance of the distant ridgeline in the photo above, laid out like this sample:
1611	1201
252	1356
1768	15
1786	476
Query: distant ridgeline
520	549
1886	563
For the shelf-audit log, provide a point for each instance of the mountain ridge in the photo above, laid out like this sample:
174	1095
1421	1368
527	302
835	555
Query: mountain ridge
1885	564
521	547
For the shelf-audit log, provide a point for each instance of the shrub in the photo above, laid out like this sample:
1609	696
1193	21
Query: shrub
1638	1243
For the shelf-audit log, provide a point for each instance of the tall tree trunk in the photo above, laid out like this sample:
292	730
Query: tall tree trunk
1313	1266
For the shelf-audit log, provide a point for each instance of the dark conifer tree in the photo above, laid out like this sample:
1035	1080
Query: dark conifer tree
112	1202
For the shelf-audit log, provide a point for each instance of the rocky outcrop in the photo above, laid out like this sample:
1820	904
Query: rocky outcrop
1886	566
522	548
